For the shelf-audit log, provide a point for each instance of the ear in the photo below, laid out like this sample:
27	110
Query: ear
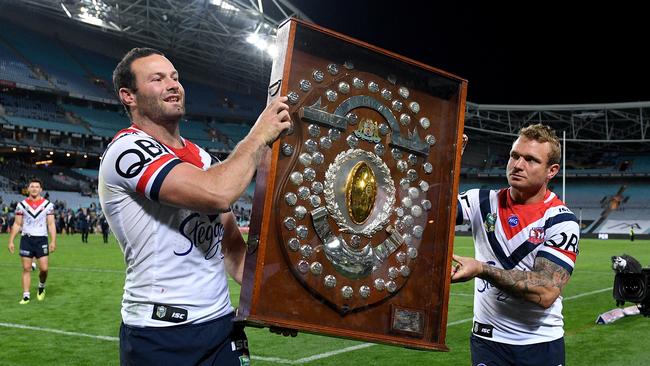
127	96
552	171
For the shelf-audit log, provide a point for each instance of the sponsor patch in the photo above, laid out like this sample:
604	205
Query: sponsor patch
483	330
170	314
513	220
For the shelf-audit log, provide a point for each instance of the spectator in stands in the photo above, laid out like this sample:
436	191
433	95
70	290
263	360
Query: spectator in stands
526	244
35	218
159	192
82	224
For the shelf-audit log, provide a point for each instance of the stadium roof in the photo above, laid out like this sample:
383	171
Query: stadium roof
232	37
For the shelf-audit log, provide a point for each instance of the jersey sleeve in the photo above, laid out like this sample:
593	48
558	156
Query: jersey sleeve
467	204
137	164
562	234
20	210
49	209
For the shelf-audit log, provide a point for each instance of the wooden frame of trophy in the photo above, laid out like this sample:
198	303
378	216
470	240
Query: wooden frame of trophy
354	209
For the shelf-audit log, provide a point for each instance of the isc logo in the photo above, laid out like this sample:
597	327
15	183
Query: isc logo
178	316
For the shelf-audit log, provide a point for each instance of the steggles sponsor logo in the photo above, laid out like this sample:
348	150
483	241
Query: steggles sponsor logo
204	232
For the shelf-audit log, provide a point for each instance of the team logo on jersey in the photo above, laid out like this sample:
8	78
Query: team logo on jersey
537	235
490	221
513	220
204	232
161	311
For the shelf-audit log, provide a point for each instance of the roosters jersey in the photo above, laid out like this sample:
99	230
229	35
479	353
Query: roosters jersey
175	272
509	235
34	213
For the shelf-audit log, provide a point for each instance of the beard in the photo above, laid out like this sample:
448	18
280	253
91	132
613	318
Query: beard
157	110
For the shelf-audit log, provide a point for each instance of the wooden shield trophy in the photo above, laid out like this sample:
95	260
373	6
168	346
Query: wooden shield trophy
354	208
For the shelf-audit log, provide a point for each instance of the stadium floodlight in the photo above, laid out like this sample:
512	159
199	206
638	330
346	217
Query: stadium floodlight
224	5
263	44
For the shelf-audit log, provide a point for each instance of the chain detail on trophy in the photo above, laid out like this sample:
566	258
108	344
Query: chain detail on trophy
355	202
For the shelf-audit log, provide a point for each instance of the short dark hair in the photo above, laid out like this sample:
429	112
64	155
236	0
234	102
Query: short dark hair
123	76
35	180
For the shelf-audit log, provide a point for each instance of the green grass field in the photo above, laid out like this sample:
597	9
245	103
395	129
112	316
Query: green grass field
78	322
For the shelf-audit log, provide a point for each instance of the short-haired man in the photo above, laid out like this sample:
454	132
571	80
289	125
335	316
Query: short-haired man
526	243
35	218
168	203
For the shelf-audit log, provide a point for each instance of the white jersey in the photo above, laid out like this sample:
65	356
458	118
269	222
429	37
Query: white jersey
508	235
34	213
173	256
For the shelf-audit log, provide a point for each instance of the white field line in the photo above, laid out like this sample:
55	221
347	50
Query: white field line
259	358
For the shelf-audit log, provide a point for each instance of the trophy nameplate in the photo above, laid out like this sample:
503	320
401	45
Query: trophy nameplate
354	208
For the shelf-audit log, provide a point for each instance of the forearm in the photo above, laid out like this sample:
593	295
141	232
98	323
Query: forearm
51	228
14	231
533	286
233	247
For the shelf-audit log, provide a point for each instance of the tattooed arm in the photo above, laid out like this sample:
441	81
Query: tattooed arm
541	286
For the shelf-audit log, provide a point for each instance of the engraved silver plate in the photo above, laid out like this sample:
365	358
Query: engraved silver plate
404	183
414	193
401	257
317	188
333	69
430	139
407	202
305	159
415	107
379	284
383	129
302	231
314	130
426	204
289	223
353	141
303	192
418	231
404	271
399	211
293	97
290	198
309	174
335	192
331	95
346	292
357	83
316	268
397	154
373	87
329	281
391	286
306	251
408	220
411	175
344	87
352	118
334	134
386	94
364	291
403	92
311	145
416	211
355	241
318	75
428	168
303	266
402	166
397	105
404	119
393	273
424	186
296	178
287	149
314	201
379	149
424	122
293	244
305	85
408	321
412	252
413	159
299	212
317	157
325	142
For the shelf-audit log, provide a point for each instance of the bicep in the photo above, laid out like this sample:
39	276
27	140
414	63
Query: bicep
18	220
189	187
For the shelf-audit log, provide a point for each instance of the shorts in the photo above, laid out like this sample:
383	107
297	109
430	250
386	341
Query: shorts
489	353
220	342
33	246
